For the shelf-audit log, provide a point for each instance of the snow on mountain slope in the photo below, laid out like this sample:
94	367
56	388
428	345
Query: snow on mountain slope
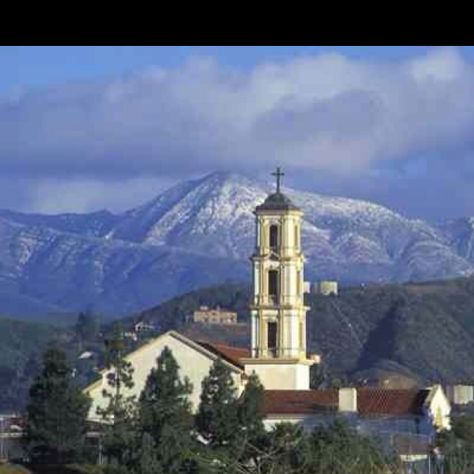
71	272
202	232
460	235
94	224
343	238
211	215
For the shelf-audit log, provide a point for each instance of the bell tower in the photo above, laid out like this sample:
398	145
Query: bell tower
278	313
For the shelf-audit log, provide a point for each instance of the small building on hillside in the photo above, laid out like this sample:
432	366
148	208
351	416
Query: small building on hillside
460	394
213	316
142	327
323	287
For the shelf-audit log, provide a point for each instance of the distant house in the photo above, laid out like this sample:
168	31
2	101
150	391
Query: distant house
143	326
405	421
213	316
375	410
323	287
460	394
139	328
11	432
86	355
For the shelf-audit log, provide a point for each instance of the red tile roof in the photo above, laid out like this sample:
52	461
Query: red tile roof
229	353
299	401
375	401
370	401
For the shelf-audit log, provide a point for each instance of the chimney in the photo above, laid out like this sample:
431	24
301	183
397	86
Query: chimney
347	400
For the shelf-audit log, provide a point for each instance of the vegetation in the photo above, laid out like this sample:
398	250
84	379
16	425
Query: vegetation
22	344
157	433
217	419
165	418
56	412
457	446
120	413
421	332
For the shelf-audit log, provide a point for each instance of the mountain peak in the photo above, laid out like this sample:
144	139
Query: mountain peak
212	218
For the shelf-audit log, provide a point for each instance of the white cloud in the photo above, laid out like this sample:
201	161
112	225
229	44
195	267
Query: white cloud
52	196
324	113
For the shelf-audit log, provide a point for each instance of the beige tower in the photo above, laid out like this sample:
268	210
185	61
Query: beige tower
278	313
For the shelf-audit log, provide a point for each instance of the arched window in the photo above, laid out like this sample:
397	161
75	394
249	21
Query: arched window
273	236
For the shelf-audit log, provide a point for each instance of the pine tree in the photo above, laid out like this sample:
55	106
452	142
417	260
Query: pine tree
165	414
286	451
87	327
217	417
148	461
120	437
250	407
57	411
250	417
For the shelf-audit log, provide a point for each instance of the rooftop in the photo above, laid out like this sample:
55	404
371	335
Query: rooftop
277	202
229	353
370	401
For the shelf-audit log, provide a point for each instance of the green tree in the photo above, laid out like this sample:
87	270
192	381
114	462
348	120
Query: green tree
148	461
250	418
87	327
56	411
339	449
318	376
286	450
120	436
165	415
457	446
217	417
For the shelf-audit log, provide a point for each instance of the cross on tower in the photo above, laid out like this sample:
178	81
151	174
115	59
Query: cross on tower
278	173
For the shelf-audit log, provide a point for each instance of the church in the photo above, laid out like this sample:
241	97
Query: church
277	350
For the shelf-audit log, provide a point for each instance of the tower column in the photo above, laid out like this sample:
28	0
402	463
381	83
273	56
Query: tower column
278	314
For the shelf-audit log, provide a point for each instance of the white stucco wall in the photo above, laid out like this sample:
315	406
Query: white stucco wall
193	360
438	408
279	376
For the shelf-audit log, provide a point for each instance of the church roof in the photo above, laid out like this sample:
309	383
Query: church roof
229	353
277	202
370	401
374	401
286	402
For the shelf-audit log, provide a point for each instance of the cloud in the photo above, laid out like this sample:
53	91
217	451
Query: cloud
323	114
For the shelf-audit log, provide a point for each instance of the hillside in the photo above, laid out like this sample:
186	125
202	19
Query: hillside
421	332
200	233
418	329
21	346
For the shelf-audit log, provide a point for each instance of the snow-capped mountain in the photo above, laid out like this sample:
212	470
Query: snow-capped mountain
201	232
460	234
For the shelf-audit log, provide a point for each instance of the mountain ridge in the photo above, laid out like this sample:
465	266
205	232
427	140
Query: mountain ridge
201	232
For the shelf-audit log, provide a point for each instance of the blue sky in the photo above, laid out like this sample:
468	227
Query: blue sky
112	126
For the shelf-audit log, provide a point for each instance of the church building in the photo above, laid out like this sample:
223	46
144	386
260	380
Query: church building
277	350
